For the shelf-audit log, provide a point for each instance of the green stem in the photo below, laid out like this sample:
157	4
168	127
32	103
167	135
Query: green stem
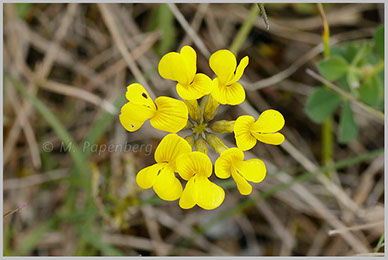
379	243
246	27
327	139
327	127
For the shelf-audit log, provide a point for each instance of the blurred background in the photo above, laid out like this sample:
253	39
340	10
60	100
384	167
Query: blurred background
66	68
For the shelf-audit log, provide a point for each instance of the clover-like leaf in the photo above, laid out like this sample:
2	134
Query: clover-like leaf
333	68
321	104
348	129
379	41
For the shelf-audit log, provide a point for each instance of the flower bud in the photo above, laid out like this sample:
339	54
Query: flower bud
215	142
210	109
189	125
193	108
223	126
201	145
190	140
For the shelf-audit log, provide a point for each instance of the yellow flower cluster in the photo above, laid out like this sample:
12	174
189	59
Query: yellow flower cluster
175	154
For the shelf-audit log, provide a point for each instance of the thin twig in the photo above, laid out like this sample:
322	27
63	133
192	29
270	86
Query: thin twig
195	23
282	75
14	210
153	230
263	14
36	179
277	225
327	214
356	227
80	94
59	35
186	26
109	20
371	254
39	75
27	128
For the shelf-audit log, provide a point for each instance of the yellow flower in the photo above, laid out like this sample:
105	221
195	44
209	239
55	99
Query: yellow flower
196	168
247	131
226	88
168	115
232	162
182	67
161	176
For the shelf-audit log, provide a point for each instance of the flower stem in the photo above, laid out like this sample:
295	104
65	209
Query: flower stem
327	127
244	30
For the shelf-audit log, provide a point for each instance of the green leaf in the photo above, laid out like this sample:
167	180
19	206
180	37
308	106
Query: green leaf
370	91
351	51
162	19
380	242
166	25
333	68
379	41
343	83
321	104
348	129
372	58
337	51
361	52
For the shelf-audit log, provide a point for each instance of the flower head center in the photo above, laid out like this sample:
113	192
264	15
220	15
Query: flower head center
199	128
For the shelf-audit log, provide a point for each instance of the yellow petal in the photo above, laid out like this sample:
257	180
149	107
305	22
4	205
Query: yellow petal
201	85
269	121
167	186
170	148
189	195
210	195
190	57
240	70
189	164
242	132
242	185
133	116
223	165
232	94
171	115
223	63
252	170
274	139
147	177
136	94
180	67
